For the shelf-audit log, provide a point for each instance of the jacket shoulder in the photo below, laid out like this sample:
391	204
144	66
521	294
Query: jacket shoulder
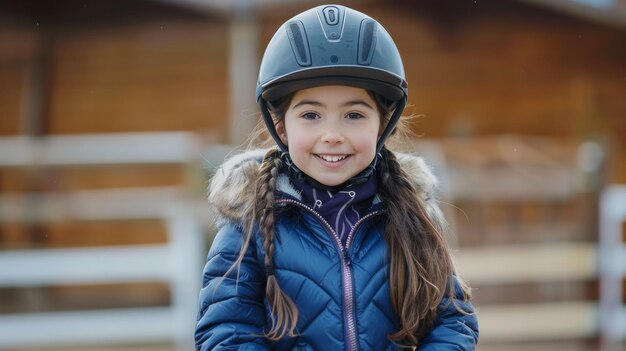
420	173
231	190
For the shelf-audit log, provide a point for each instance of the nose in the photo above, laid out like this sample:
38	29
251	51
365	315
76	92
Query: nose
332	135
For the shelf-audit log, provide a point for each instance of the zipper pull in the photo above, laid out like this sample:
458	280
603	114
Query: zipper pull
346	257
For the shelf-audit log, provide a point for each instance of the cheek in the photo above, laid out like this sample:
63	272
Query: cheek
295	133
297	143
367	140
301	145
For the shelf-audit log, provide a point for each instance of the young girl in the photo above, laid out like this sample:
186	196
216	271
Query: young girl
330	241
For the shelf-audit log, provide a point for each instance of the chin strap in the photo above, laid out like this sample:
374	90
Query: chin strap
269	123
391	125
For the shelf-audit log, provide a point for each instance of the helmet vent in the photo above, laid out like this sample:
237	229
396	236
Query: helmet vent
299	43
331	14
367	40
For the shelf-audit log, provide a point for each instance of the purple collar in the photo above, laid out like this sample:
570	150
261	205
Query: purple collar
341	208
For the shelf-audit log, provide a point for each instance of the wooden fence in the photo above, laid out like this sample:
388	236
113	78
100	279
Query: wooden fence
177	262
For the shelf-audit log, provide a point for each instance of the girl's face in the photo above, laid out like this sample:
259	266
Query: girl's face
331	132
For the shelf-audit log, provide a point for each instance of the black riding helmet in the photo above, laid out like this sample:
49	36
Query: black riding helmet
331	44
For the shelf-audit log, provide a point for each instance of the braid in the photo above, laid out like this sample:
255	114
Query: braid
420	261
283	310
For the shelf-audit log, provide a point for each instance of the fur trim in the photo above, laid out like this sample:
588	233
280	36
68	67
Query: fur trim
427	186
231	192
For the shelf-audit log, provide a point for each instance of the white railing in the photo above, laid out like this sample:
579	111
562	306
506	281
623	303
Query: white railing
91	149
533	263
177	262
612	267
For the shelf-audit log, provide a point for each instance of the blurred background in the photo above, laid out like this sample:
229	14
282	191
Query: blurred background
113	114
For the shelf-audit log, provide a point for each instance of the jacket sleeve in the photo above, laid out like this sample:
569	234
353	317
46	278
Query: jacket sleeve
453	330
231	314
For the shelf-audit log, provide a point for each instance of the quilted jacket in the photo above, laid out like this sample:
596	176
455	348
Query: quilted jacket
341	291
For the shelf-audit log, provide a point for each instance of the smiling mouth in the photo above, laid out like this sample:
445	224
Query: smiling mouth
332	158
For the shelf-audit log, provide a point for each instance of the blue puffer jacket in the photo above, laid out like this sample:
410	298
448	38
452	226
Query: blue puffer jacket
342	294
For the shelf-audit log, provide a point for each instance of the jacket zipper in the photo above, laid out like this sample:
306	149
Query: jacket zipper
348	289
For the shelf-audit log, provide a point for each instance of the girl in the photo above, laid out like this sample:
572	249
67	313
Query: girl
330	241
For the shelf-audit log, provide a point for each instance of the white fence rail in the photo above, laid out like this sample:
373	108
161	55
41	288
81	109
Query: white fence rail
605	261
536	263
612	267
90	149
177	262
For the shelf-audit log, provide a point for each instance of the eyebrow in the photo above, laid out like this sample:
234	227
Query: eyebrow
319	104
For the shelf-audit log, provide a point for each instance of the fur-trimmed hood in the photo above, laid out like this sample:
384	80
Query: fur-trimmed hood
231	194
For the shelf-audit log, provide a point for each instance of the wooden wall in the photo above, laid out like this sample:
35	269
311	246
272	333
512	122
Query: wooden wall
17	46
512	69
149	77
128	74
159	75
474	68
478	68
489	67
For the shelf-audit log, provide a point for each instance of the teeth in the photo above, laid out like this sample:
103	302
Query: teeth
332	158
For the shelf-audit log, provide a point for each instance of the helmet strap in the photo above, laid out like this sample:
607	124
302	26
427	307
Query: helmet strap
391	125
269	123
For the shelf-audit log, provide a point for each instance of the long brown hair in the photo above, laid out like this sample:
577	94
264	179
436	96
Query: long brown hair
421	266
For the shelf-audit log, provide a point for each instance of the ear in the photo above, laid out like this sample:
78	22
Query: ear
282	133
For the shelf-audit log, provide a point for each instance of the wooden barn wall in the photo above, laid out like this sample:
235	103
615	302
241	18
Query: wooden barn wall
156	76
512	70
490	67
133	76
478	70
143	75
17	45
